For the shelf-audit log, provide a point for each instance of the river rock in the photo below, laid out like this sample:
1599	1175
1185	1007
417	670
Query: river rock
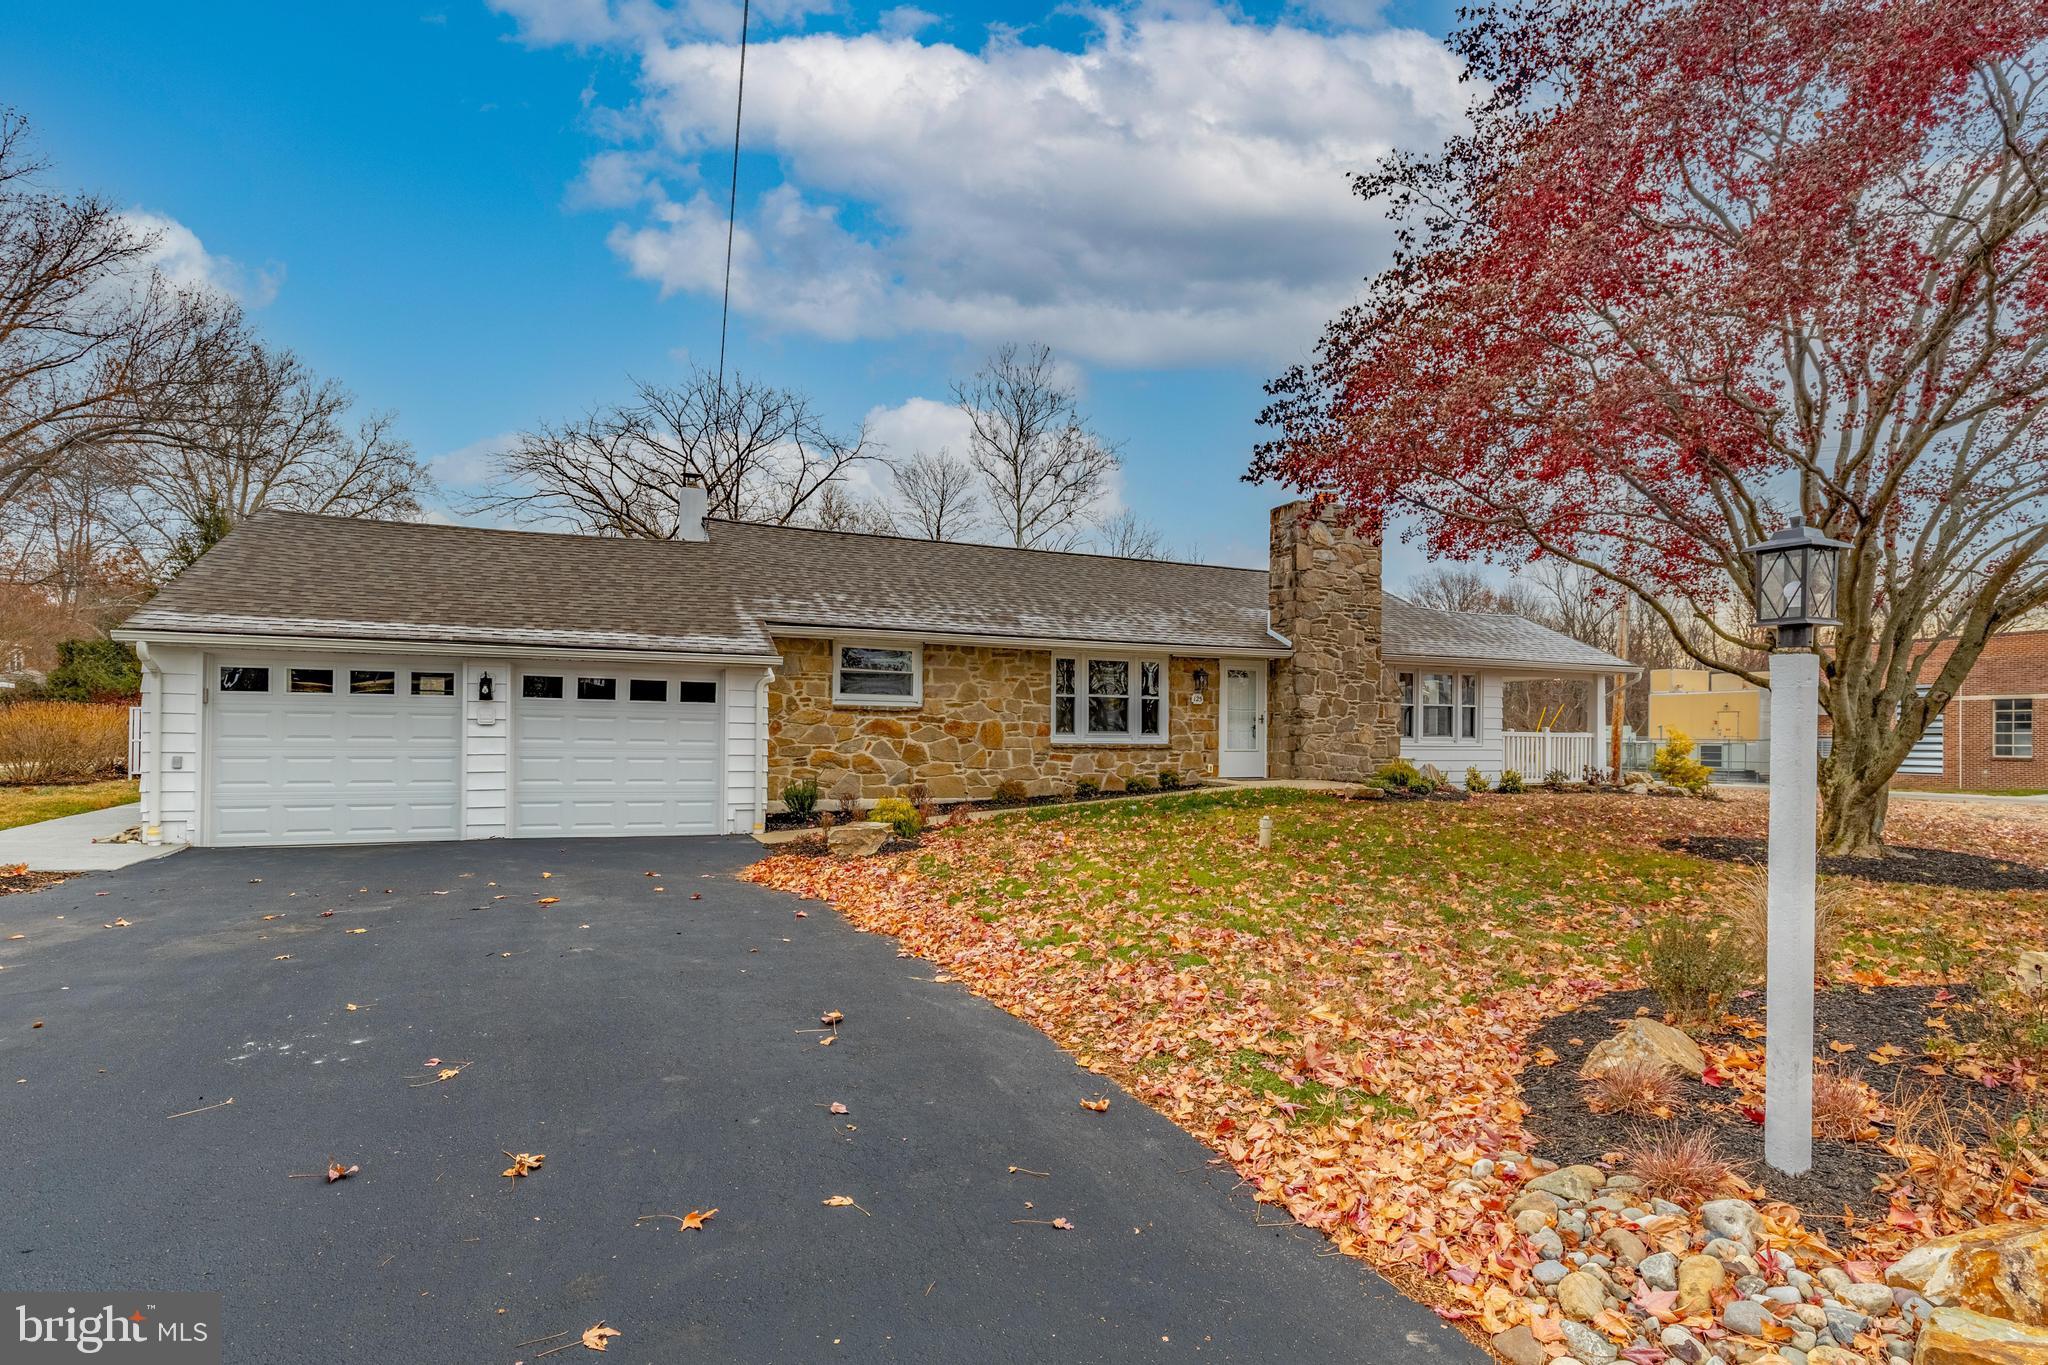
1646	1040
1698	1278
1659	1271
1735	1219
1588	1345
1520	1346
1571	1183
1581	1296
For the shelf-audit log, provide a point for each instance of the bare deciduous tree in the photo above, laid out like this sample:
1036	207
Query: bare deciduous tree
760	453
94	345
836	508
272	434
1129	536
1041	467
938	497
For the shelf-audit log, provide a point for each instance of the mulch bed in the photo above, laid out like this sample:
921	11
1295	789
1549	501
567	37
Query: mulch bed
11	882
1901	864
784	820
1843	1174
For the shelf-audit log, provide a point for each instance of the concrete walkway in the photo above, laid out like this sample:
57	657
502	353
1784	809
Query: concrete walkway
66	844
1968	798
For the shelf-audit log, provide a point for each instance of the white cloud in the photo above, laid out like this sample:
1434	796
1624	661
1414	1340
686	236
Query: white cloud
904	20
1174	192
919	424
180	257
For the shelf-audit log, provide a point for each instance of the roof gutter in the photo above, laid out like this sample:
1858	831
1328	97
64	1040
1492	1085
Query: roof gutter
1183	649
373	645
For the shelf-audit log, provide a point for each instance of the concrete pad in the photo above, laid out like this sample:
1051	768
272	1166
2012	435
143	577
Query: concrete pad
66	844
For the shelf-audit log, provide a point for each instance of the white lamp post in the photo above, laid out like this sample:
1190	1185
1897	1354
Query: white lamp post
1795	594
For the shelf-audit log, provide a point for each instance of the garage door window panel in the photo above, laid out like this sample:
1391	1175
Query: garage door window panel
311	680
697	693
541	687
433	684
372	682
647	689
597	689
244	679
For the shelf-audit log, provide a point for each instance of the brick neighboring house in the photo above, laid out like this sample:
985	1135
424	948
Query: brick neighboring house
1985	737
319	680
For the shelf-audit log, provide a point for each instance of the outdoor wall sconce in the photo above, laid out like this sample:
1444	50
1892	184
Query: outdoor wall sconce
1201	684
483	688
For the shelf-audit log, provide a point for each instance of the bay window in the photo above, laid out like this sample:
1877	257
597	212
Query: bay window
1108	698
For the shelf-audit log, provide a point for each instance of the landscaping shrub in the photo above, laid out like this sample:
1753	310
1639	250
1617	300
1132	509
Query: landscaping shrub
1675	764
1843	1107
1693	966
1170	779
800	798
94	670
2008	1025
1011	792
1086	789
1476	781
1422	786
1681	1165
1643	1089
1511	782
1555	779
1142	784
61	741
1832	903
899	815
1397	775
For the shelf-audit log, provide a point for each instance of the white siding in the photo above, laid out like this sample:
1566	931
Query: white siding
1456	755
746	749
171	697
486	749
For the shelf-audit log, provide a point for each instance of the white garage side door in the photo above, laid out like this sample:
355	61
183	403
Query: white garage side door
333	750
616	751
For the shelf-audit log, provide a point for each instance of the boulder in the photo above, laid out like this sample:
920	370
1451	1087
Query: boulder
2000	1271
1646	1040
1956	1336
1571	1183
1735	1219
857	838
1519	1346
1581	1295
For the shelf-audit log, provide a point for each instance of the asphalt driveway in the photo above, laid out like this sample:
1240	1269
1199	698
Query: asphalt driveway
654	1046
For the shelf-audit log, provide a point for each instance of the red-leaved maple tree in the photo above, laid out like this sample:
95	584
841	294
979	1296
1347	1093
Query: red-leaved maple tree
1700	266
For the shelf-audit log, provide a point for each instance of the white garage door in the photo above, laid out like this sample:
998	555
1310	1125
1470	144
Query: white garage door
333	750
615	752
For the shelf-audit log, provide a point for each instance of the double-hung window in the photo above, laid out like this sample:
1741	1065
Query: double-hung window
1108	698
1468	706
2012	727
1407	705
1439	705
877	675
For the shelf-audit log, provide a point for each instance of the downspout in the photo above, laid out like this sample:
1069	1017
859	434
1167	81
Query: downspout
152	746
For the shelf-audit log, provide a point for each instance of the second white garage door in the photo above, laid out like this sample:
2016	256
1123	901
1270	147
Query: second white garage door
598	753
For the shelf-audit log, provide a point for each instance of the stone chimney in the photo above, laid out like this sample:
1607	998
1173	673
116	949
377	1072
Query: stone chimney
1326	719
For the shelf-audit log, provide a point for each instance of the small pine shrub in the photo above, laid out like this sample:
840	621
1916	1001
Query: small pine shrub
1170	780
1555	779
2009	1025
1693	966
800	798
1675	764
1086	789
1511	782
1142	784
1476	781
1397	775
1422	786
1010	792
899	815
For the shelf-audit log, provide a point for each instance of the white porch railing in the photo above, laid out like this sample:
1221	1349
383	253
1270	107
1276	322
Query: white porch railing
1537	753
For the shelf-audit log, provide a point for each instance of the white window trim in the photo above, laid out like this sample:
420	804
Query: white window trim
2012	733
1083	738
909	703
1408	684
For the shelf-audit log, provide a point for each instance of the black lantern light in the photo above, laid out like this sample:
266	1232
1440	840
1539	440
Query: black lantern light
483	688
1796	575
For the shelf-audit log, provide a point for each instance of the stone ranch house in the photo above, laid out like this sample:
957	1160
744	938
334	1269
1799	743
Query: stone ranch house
317	680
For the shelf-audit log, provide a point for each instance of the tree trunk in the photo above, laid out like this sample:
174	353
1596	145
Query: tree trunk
1851	816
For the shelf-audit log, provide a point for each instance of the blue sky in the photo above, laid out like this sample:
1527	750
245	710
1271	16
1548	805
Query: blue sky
487	215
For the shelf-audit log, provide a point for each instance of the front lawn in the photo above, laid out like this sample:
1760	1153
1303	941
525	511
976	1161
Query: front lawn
1344	1018
29	805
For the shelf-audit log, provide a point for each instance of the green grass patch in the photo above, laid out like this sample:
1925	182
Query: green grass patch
32	805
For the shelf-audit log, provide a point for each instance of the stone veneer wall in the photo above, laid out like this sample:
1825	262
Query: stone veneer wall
1332	716
986	717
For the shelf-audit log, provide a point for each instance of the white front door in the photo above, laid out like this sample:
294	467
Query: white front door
1242	748
332	749
627	749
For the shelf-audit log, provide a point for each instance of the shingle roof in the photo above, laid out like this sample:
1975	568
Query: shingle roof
295	574
1408	631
